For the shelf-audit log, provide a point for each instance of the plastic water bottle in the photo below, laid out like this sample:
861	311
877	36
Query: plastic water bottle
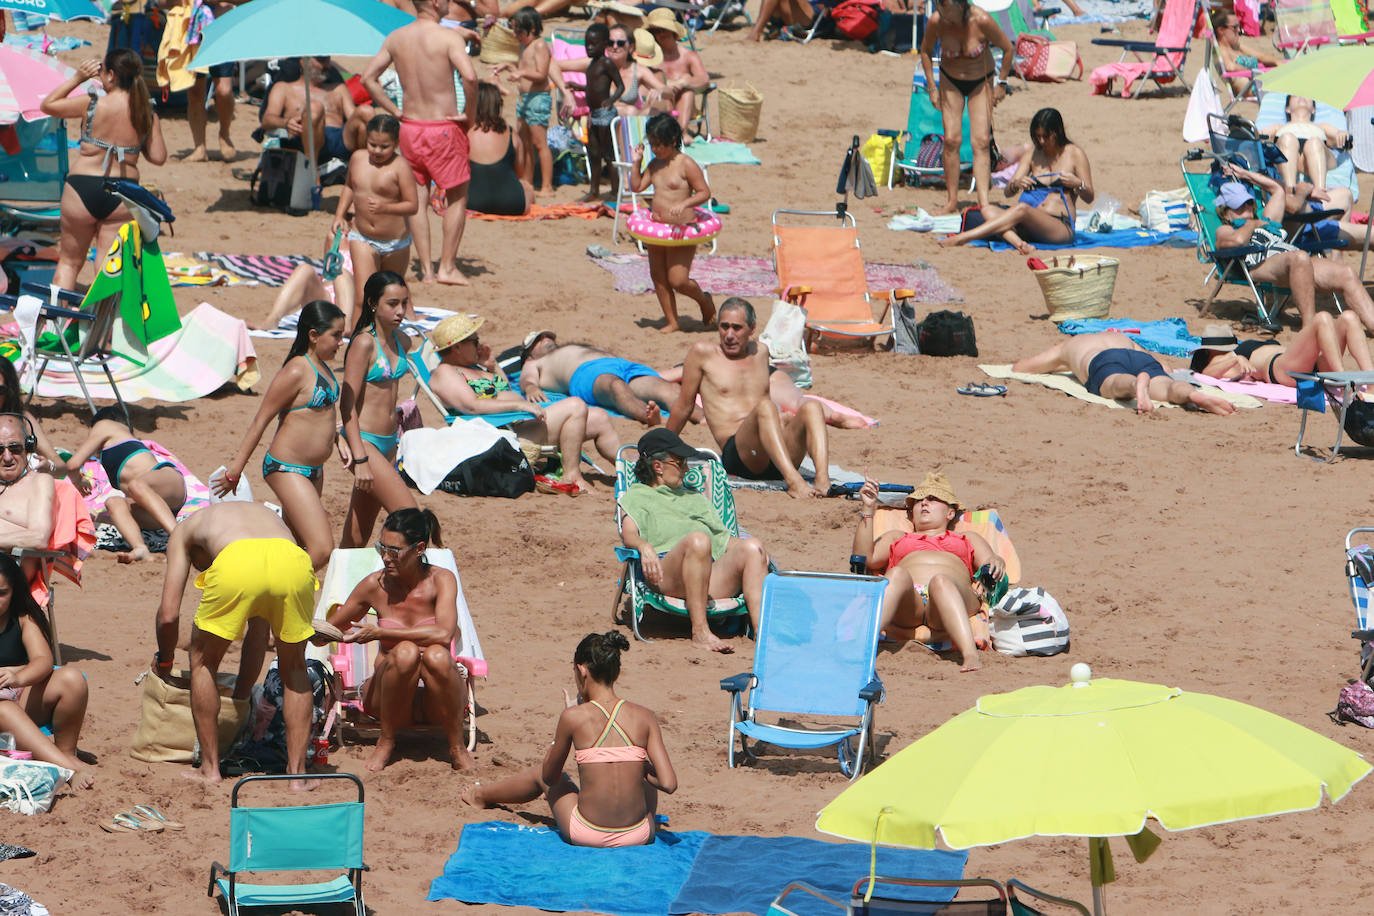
1104	207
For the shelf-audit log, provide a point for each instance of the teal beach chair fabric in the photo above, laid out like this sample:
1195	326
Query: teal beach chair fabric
316	837
815	656
923	120
31	180
706	476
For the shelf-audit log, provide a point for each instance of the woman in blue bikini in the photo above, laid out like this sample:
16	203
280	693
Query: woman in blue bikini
1053	177
302	398
373	366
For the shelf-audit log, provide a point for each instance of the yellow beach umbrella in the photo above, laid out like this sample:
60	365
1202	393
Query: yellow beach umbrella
1095	758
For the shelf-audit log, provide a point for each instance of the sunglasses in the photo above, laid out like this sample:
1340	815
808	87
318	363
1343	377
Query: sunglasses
387	550
14	448
619	43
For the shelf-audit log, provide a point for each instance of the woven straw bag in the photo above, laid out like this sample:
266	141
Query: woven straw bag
739	109
1076	288
499	45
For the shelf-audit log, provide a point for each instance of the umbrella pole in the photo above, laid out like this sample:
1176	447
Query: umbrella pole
311	152
1099	901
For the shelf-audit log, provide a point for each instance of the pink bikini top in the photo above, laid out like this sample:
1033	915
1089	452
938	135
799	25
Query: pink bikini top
629	752
386	623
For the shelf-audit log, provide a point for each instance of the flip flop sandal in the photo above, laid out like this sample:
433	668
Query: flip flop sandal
548	485
153	816
984	390
127	823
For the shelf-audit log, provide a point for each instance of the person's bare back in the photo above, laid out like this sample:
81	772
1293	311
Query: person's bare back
215	527
425	54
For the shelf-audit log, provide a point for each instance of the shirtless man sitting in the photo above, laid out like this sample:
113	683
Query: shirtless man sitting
683	72
1112	365
285	109
26	496
731	376
596	376
253	576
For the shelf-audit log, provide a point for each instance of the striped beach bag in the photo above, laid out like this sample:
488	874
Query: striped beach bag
1029	621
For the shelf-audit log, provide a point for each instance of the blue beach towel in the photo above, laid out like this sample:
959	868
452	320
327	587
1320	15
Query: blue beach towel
715	884
1168	336
1117	238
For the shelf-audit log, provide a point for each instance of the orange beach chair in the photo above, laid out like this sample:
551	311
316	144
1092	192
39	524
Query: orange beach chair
821	269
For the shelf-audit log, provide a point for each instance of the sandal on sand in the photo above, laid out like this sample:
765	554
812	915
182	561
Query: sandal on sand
546	484
153	816
128	823
984	390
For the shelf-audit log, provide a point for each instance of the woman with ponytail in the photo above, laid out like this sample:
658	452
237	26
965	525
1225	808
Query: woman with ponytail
301	398
374	364
416	680
621	760
115	131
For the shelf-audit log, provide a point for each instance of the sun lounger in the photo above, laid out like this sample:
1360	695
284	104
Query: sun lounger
1160	61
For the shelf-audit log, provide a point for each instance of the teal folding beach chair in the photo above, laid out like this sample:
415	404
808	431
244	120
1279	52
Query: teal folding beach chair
705	475
311	837
31	180
923	120
815	655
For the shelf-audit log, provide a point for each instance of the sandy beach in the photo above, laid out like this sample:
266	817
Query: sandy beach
1187	549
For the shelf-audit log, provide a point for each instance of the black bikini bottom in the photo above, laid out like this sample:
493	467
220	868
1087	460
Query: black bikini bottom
965	86
91	189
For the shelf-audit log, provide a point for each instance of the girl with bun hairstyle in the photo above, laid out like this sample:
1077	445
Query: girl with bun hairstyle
621	760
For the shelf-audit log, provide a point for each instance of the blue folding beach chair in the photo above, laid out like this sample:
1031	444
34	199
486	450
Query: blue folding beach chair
313	837
815	657
1359	573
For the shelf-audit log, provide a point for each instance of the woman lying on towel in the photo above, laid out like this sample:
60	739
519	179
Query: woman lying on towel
1321	345
33	693
620	756
415	679
1053	178
929	568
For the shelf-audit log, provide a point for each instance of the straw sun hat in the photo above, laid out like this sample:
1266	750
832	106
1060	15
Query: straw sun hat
646	50
937	485
454	330
662	18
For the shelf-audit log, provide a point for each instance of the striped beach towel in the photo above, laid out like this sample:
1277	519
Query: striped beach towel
267	269
211	349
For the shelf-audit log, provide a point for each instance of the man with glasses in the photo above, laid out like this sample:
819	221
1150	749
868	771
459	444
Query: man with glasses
253	577
26	496
731	375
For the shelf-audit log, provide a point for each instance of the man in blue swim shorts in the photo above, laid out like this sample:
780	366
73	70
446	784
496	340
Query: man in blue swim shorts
595	376
1111	365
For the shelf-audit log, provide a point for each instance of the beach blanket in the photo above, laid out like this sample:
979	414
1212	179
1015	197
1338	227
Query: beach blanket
185	270
210	350
267	269
550	211
1168	336
1117	238
1104	12
838	475
721	152
687	872
425	320
107	536
730	275
1063	381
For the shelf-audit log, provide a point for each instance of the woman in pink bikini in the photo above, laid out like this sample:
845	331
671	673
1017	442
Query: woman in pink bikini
620	756
928	568
415	679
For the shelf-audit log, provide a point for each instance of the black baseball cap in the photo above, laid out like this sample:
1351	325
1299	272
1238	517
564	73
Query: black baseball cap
659	440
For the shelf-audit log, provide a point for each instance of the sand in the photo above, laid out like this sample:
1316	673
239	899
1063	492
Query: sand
1187	549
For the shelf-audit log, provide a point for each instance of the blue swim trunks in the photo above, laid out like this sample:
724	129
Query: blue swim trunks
1120	361
583	381
535	108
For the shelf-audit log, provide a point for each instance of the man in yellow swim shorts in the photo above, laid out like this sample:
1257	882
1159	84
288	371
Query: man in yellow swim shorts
253	578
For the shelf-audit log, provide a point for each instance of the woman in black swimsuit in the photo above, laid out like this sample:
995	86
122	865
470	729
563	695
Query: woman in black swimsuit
1320	346
116	130
495	152
966	35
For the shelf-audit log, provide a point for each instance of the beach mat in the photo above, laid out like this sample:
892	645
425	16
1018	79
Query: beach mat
838	475
550	211
425	320
688	872
1168	335
267	269
1063	381
1117	238
731	275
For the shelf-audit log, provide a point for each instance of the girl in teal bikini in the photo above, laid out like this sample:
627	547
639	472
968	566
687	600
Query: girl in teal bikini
373	366
302	398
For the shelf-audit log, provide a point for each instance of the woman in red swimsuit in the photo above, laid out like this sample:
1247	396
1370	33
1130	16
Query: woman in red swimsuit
929	567
620	758
415	679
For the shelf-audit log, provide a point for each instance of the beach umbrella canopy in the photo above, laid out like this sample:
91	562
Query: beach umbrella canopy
1106	756
64	10
26	78
297	28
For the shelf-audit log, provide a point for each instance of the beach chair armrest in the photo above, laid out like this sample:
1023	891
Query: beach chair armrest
56	311
1363	635
1309	217
1231	254
1045	12
216	869
624	554
872	691
1319	245
737	683
1130	44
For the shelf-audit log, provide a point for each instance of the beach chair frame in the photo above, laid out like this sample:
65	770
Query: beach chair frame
864	900
272	839
627	132
780	906
1303	25
1163	62
1020	908
1357	559
706	475
95	335
751	693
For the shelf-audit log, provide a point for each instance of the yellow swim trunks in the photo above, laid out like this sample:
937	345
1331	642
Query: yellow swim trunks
270	578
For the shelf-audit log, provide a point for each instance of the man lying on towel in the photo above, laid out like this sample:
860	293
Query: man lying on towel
596	376
1111	365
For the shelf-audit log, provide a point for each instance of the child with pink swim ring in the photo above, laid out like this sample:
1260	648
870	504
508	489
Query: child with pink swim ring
679	189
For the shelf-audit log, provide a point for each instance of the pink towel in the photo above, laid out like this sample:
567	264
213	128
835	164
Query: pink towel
72	532
1279	394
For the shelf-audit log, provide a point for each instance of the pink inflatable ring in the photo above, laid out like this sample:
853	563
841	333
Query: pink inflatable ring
646	229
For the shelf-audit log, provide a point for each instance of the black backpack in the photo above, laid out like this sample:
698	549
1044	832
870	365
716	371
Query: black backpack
501	470
273	178
947	333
